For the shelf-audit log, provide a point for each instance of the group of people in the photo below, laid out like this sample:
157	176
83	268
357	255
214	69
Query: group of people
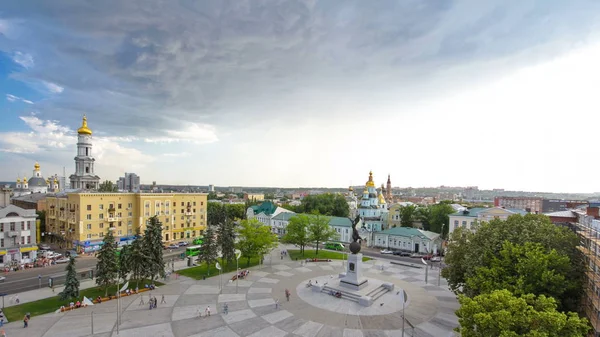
242	274
283	253
335	293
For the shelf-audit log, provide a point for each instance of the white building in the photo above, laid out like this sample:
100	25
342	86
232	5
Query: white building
409	239
36	184
84	177
373	211
470	218
17	236
265	212
343	226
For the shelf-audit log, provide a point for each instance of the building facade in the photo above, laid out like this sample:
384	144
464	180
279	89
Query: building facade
529	204
84	177
35	201
343	226
82	219
254	197
36	183
18	243
470	218
373	211
409	239
129	183
265	212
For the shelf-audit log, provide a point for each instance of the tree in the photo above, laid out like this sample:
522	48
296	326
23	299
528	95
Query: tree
326	204
408	214
470	253
41	215
71	289
209	250
297	231
107	265
524	269
503	314
137	259
254	239
319	230
212	196
153	250
435	217
107	186
124	261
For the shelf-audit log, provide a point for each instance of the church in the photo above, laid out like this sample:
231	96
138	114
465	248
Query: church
35	184
373	210
84	177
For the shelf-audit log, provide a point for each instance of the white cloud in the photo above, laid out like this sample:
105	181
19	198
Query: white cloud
53	87
23	59
13	98
194	133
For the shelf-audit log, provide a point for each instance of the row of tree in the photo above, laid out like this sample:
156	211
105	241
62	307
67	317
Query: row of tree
434	218
519	277
303	229
324	204
143	259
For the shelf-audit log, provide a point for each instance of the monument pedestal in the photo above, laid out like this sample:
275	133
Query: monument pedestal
353	278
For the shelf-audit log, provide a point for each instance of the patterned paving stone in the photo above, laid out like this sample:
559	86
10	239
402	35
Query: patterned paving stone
255	290
284	273
231	298
352	333
309	329
270	331
277	316
218	332
261	303
238	316
268	280
249	326
303	270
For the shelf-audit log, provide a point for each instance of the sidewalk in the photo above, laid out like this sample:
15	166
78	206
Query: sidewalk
44	292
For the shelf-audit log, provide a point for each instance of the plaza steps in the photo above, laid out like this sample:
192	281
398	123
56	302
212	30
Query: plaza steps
346	295
377	292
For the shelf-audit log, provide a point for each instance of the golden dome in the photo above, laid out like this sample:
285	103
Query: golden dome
25	180
47	181
370	182
18	180
84	130
55	180
381	199
350	189
36	166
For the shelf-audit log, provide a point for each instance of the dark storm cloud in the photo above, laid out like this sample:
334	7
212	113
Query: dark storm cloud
147	66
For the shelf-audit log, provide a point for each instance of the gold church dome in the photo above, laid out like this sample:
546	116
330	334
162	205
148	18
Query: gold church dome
36	166
370	182
84	130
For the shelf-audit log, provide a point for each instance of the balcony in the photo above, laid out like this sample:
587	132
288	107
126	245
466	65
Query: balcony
189	213
12	234
72	220
51	215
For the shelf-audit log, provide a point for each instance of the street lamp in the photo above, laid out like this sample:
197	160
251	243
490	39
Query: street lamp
218	266
238	253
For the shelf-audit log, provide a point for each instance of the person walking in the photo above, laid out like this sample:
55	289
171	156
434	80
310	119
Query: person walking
25	321
276	304
141	300
162	300
226	309
287	294
207	311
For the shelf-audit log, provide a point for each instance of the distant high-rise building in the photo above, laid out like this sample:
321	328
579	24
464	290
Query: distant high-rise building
129	183
211	188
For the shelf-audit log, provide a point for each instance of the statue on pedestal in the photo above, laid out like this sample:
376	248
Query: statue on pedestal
356	239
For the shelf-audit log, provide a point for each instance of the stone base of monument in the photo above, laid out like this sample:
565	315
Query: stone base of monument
353	278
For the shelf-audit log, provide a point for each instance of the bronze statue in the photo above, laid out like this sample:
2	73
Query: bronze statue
355	236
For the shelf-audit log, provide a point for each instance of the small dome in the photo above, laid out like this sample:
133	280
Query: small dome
37	181
36	166
84	130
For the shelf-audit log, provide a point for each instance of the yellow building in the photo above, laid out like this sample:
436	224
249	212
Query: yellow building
82	219
254	197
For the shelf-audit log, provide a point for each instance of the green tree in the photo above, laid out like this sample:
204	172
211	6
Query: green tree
124	260
269	196
470	253
107	186
71	289
209	250
41	215
153	249
435	217
524	269
137	259
326	204
297	231
215	213
408	215
502	314
320	231
254	239
107	265
212	196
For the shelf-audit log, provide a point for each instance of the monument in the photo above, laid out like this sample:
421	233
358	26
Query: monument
353	278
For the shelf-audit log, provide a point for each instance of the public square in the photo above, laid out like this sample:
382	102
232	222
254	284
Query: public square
253	311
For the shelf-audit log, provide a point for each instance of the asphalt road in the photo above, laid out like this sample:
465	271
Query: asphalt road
29	279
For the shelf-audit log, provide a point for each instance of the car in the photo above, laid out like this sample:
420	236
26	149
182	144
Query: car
71	253
44	247
182	243
172	246
436	259
2	278
415	255
397	253
63	260
385	251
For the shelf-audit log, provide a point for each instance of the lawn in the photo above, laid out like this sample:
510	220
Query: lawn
200	271
51	304
323	254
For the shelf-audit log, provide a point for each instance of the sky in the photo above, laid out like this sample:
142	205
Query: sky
495	94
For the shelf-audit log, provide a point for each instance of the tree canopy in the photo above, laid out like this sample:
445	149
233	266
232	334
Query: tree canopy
107	186
528	244
153	249
408	214
209	249
319	230
325	204
71	289
502	314
435	217
107	265
254	239
217	212
297	231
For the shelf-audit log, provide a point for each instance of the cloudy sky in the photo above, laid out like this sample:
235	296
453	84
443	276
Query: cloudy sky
498	94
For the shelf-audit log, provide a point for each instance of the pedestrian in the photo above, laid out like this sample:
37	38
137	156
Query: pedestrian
25	321
17	298
155	302
287	295
150	303
276	304
141	300
207	311
162	300
226	309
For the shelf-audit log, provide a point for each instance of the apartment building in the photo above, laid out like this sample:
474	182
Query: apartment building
530	204
17	236
588	228
82	219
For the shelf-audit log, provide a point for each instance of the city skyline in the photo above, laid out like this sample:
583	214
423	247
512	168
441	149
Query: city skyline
292	94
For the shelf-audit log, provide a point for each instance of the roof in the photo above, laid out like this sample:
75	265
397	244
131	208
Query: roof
37	181
339	221
284	216
474	212
266	207
33	197
562	214
410	231
17	211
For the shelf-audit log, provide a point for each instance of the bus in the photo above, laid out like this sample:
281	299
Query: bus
198	241
193	250
334	245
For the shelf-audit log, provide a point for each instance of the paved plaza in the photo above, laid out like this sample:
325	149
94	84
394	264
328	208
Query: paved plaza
253	311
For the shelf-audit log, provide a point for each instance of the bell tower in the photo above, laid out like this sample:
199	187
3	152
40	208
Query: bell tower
84	177
388	190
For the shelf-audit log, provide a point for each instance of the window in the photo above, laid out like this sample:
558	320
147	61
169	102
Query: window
101	234
129	205
28	225
101	225
1	227
119	206
22	225
28	239
89	217
89	226
182	235
182	204
119	223
1	242
194	204
129	223
89	236
130	214
201	203
89	207
101	216
119	233
129	232
182	211
101	206
111	206
22	240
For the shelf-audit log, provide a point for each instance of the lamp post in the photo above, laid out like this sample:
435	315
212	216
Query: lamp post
238	253
403	318
426	269
218	266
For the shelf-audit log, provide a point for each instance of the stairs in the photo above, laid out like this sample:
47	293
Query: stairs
346	295
377	292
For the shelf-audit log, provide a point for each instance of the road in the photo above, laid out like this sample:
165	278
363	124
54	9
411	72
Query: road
29	279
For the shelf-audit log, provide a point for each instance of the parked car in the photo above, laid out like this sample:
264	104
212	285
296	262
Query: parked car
415	255
63	260
2	278
44	246
71	253
436	259
385	251
172	246
182	243
401	253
